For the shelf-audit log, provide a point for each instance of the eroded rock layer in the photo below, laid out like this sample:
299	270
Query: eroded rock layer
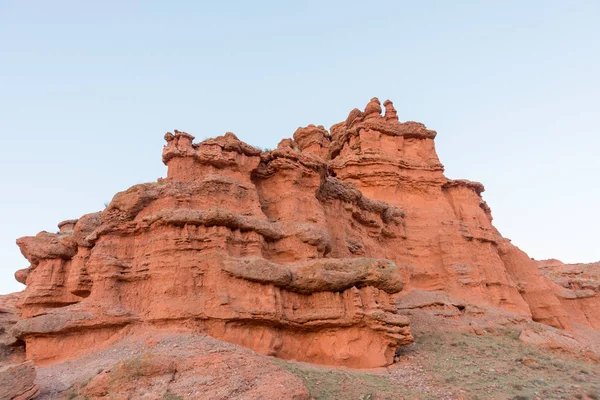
17	377
578	289
300	252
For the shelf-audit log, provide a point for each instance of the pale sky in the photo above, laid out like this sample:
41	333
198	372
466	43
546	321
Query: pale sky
88	89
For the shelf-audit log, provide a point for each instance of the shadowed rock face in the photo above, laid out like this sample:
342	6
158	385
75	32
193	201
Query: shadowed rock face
17	378
11	350
300	252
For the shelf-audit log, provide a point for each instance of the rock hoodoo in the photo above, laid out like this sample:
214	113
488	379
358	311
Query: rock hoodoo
300	252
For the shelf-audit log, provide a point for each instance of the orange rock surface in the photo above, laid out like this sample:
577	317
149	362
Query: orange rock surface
300	252
577	288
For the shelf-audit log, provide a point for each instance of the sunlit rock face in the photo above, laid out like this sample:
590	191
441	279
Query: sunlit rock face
300	252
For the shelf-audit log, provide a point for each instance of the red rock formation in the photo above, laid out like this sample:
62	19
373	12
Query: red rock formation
17	378
11	349
17	381
299	252
578	289
236	243
450	241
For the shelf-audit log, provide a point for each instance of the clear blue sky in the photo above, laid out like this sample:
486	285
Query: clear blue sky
87	90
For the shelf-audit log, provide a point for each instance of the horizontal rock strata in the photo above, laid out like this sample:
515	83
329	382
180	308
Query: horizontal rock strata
300	252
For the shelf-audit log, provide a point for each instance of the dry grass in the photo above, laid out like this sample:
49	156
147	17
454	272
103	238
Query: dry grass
500	366
332	384
455	365
439	365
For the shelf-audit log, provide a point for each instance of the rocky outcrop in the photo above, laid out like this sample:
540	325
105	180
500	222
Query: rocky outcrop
17	381
448	238
300	252
578	289
222	247
17	378
11	349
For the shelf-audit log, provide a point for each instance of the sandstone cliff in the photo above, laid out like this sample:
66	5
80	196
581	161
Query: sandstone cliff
577	288
300	252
